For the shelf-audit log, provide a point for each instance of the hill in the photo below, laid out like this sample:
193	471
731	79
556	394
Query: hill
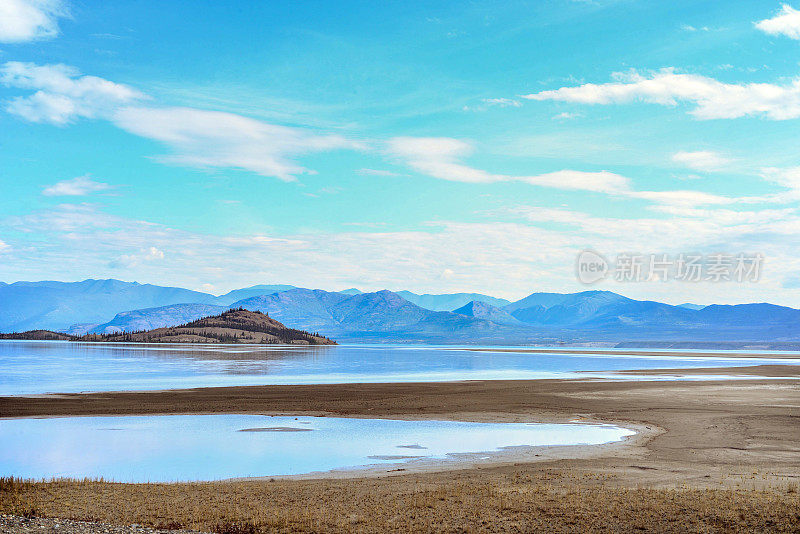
232	326
39	335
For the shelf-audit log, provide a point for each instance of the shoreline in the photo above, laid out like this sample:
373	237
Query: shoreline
709	453
700	353
480	459
687	427
500	458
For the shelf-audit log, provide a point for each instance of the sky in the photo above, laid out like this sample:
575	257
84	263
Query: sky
430	146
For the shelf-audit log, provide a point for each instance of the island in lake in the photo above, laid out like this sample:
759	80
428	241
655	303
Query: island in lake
233	326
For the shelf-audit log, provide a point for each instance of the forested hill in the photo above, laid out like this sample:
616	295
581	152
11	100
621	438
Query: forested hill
232	326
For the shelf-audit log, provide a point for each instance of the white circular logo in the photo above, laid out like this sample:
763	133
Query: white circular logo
591	267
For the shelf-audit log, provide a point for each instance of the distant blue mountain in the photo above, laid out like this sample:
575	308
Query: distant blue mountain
543	300
378	316
351	291
748	314
305	309
481	310
449	301
603	315
152	318
57	305
110	305
247	292
598	310
380	311
691	306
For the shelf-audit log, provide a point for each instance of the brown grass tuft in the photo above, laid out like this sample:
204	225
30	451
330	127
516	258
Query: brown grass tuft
510	501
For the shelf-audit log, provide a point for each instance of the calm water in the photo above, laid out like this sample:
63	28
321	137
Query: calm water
50	367
212	447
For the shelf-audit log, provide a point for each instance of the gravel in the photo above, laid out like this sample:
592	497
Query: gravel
20	525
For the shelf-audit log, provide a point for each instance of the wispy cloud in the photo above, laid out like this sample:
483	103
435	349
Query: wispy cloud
690	28
566	115
788	178
62	94
202	138
30	20
197	138
440	157
82	185
127	261
502	102
712	99
786	22
701	160
376	172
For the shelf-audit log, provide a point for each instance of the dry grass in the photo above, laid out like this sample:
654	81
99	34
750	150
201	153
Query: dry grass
466	502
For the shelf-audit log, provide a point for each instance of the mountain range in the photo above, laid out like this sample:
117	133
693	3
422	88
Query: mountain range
108	306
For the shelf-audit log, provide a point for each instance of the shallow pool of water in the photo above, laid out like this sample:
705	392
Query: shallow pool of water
212	447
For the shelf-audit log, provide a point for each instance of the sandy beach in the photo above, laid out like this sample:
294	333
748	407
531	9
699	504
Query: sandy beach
697	442
639	352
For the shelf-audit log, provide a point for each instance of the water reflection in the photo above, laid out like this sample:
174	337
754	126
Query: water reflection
41	367
212	447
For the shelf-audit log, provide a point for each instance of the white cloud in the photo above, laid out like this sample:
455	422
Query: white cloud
439	157
566	115
71	241
786	177
786	22
82	185
126	261
680	198
502	102
376	172
701	160
712	99
202	138
29	20
197	138
62	94
66	218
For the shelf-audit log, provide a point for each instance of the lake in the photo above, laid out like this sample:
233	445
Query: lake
171	448
28	367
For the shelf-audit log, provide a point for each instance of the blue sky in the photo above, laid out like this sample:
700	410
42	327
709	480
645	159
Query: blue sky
429	146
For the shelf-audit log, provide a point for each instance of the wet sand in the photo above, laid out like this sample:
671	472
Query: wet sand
640	352
766	371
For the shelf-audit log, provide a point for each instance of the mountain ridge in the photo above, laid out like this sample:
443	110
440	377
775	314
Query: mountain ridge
587	316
